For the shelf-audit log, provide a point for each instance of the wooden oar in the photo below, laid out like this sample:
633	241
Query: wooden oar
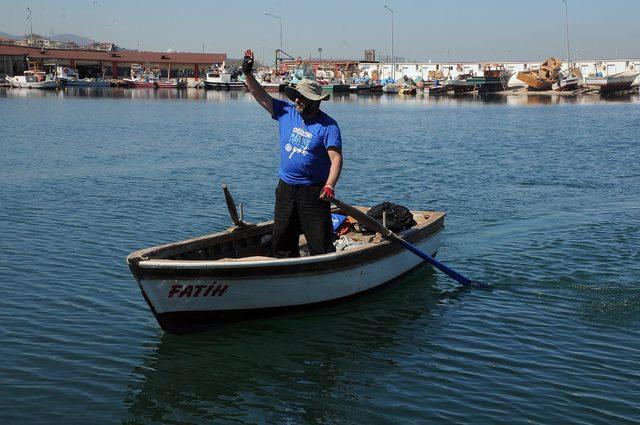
374	224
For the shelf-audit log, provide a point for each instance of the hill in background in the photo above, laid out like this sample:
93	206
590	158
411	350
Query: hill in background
78	39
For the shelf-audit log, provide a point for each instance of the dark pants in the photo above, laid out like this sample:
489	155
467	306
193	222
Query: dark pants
300	210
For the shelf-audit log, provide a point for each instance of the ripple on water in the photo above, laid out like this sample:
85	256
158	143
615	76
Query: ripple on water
551	221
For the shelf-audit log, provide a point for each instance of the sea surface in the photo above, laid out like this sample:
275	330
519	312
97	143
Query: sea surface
543	201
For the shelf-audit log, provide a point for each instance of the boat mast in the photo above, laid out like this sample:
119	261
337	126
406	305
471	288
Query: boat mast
566	15
393	58
30	23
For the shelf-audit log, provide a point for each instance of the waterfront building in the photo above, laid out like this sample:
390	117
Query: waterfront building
112	64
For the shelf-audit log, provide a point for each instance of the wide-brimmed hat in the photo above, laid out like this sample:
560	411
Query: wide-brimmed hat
306	88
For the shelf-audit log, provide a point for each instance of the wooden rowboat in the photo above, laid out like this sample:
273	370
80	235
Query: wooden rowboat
196	283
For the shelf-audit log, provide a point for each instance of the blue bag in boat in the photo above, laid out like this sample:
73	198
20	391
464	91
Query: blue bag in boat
338	220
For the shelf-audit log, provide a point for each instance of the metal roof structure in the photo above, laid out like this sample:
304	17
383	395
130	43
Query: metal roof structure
128	56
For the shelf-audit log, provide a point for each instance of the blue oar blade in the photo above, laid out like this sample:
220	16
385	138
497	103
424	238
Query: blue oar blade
442	267
374	224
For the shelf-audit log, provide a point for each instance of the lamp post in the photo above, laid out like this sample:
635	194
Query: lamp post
566	15
280	19
393	58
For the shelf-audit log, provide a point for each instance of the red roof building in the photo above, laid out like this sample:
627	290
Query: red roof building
118	61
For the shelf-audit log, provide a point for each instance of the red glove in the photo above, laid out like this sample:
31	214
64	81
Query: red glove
327	193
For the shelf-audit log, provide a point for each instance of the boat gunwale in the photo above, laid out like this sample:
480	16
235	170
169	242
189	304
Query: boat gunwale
270	262
155	267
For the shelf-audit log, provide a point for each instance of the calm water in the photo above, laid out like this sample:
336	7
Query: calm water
543	200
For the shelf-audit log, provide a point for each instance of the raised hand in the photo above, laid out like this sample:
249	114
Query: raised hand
247	63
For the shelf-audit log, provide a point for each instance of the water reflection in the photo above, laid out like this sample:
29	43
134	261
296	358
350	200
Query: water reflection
288	369
510	98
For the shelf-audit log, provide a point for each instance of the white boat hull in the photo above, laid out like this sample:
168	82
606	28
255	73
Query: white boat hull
391	89
217	85
20	82
85	83
566	84
192	295
617	82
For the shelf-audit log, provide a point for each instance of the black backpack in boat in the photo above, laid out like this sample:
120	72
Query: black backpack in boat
399	218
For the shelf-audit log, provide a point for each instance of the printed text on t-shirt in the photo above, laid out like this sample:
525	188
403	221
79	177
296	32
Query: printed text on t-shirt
298	142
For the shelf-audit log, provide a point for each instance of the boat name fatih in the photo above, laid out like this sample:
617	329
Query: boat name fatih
188	290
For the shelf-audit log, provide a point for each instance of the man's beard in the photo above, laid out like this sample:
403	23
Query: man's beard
308	110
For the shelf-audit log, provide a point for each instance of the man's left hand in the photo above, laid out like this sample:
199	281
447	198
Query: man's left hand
327	193
247	63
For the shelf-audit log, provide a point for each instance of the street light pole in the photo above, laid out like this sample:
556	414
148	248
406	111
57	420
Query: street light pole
566	15
280	19
393	58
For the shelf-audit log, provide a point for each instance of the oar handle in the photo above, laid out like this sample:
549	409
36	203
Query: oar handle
363	218
374	224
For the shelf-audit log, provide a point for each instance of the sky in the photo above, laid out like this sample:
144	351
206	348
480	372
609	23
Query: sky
460	30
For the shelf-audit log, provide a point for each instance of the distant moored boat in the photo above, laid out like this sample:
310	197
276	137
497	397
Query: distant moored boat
613	83
33	80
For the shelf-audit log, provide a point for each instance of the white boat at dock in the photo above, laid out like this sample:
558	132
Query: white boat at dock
390	88
68	77
567	81
221	78
270	82
618	82
231	275
150	77
33	78
40	81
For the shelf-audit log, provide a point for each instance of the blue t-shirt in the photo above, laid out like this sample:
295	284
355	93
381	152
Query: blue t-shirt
303	144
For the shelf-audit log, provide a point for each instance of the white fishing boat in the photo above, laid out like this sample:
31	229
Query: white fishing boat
613	83
150	77
222	78
269	81
231	275
391	88
68	77
567	82
33	80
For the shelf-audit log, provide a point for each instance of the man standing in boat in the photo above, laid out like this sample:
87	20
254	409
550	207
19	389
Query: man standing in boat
310	165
